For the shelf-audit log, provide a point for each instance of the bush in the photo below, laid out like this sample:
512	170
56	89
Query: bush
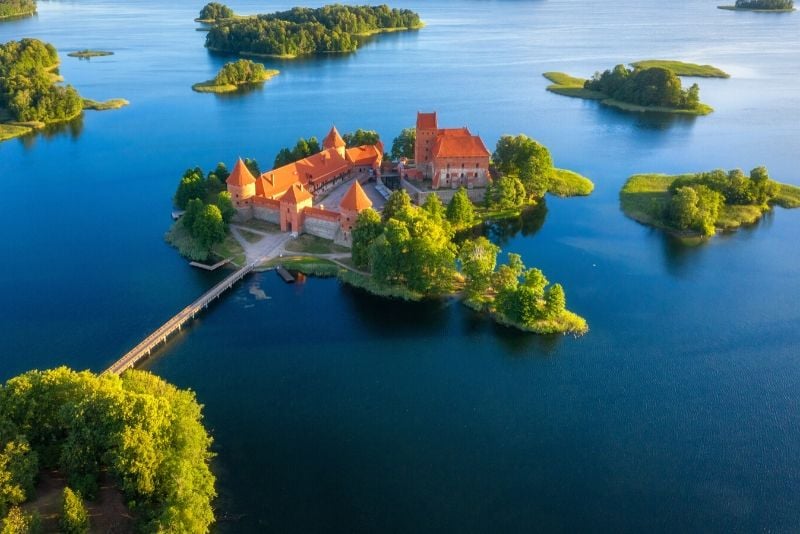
74	517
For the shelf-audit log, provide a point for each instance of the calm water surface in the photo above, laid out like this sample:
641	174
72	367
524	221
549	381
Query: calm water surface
335	411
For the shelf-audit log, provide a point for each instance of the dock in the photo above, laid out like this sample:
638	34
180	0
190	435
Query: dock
286	275
210	267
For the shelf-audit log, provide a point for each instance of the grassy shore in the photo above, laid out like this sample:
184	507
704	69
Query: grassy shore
178	236
645	197
566	323
210	86
734	8
681	68
566	85
86	54
18	15
566	183
113	103
10	131
314	245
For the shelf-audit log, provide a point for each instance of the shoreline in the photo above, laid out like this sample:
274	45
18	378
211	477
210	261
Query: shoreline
755	10
208	86
18	15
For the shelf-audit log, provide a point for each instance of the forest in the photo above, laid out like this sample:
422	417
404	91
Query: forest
16	8
300	31
650	87
765	4
28	89
143	433
214	11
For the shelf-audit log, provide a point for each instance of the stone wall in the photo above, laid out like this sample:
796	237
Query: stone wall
445	195
325	228
265	213
244	213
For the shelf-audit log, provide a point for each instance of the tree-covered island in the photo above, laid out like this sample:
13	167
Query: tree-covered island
10	9
762	6
302	31
697	205
94	440
234	75
214	11
30	94
652	85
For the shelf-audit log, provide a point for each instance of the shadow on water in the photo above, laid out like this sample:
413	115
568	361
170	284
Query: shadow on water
654	122
71	129
515	343
501	231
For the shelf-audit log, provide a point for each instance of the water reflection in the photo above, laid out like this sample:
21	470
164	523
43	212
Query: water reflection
72	130
502	231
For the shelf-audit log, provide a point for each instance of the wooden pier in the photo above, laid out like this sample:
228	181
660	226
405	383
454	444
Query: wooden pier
146	347
283	273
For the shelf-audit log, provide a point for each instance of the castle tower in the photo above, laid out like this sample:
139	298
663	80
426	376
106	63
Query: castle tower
353	202
241	184
427	130
293	202
334	140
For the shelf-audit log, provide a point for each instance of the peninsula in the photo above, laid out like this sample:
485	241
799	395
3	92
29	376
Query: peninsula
652	86
762	6
12	9
132	449
30	97
301	31
697	205
234	75
314	208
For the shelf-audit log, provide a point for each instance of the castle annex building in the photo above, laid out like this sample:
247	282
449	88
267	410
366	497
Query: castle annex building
449	157
285	195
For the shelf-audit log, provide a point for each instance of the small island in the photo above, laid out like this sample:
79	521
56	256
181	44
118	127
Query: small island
301	31
642	89
12	9
697	205
87	453
88	54
214	11
681	68
35	99
762	6
234	75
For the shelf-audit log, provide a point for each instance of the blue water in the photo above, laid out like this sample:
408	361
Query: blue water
335	411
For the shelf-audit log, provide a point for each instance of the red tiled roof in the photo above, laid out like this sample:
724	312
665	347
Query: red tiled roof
333	139
355	199
426	121
365	155
296	194
241	175
275	182
455	132
448	146
321	167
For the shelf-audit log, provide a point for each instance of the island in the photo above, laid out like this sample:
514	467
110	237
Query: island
681	68
213	12
234	75
312	214
302	31
642	89
12	9
762	6
108	453
88	54
697	205
30	97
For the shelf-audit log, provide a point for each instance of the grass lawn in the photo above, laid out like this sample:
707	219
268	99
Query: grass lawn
210	86
10	131
566	183
684	69
644	198
113	103
314	245
306	265
250	237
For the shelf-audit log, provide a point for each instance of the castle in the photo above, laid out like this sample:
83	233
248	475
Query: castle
285	195
449	157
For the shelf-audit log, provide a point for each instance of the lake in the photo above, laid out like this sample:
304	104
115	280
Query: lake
333	411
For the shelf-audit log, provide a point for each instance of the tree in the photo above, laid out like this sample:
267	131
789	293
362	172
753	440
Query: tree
192	185
215	11
193	210
18	468
367	228
74	517
526	159
506	192
460	211
478	260
361	137
225	205
252	166
397	205
208	227
18	522
536	281
403	144
433	205
555	301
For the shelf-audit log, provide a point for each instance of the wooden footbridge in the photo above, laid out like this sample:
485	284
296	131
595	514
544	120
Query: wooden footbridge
146	347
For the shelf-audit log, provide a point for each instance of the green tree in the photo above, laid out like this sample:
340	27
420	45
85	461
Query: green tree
192	185
215	11
209	227
398	205
367	228
361	137
403	144
433	205
18	522
525	159
225	205
74	517
460	211
478	260
252	166
555	301
193	210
